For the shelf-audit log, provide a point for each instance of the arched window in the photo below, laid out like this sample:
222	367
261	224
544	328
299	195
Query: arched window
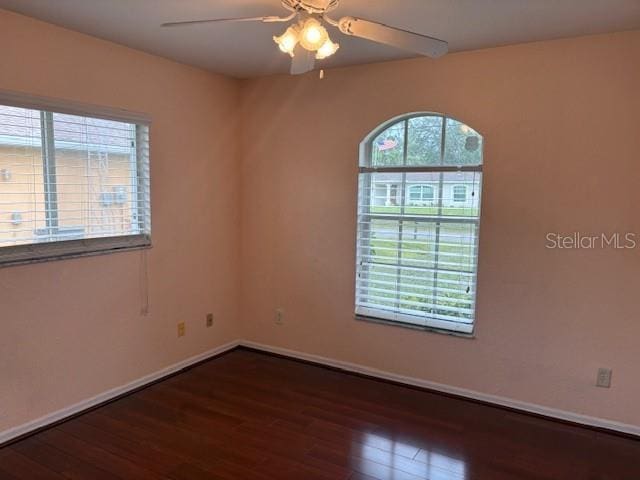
418	223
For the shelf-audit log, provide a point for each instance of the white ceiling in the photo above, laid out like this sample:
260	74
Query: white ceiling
246	50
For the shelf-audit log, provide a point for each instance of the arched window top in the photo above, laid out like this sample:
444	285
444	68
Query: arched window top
424	139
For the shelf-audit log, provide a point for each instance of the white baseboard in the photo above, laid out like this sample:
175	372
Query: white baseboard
462	392
63	413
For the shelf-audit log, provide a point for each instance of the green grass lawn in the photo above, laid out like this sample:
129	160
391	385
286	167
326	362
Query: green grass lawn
429	211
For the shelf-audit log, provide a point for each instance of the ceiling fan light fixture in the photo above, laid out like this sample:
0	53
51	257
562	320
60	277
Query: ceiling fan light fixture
307	40
327	49
288	40
313	35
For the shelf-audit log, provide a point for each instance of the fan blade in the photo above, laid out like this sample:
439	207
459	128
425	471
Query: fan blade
303	61
227	20
380	33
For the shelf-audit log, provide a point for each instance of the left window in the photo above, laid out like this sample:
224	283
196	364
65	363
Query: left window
71	184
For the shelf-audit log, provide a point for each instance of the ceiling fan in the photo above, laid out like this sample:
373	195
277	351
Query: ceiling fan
307	40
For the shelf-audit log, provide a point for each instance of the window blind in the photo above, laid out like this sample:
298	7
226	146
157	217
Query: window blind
71	184
418	224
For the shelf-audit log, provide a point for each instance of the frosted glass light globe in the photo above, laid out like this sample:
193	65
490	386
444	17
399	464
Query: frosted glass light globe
313	35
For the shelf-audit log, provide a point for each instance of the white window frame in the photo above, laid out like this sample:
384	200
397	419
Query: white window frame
398	318
56	250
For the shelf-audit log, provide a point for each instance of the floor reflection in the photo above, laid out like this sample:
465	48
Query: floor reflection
388	459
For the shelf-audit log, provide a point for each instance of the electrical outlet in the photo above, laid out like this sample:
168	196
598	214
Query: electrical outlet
182	329
209	320
604	378
279	316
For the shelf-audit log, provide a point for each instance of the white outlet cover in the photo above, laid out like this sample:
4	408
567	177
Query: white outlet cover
604	377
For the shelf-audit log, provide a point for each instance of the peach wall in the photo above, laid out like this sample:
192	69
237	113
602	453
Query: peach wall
73	329
560	122
561	155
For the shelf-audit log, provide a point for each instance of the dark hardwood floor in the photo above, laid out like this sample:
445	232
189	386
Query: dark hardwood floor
251	416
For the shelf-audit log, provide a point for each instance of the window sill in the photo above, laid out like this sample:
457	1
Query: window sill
78	249
363	318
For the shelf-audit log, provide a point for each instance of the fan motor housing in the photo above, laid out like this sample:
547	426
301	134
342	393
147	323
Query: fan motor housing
310	6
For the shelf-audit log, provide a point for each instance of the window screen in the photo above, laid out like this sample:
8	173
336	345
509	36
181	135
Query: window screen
418	223
71	184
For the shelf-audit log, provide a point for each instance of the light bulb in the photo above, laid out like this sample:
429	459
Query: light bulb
288	40
313	35
327	49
